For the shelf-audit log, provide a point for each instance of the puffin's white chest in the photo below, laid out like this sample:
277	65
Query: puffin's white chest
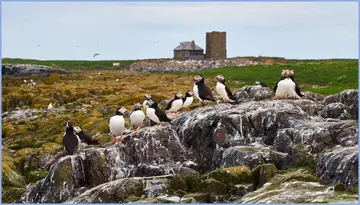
176	105
220	89
150	112
196	92
145	105
117	125
285	89
188	101
137	117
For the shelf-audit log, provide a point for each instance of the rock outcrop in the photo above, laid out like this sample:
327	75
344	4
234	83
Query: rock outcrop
28	69
156	66
221	153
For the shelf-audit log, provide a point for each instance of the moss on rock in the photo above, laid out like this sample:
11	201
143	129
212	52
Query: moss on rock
213	186
177	182
306	159
36	175
233	175
11	194
262	174
10	175
193	182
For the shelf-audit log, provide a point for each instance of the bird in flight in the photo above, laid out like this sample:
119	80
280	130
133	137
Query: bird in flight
96	54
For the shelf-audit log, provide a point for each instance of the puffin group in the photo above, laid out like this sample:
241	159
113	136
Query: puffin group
285	88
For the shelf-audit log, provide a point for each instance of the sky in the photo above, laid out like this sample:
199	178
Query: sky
145	30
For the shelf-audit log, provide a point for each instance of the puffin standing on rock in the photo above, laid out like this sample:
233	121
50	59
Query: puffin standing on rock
187	100
285	87
223	90
201	90
147	97
117	124
70	140
84	137
155	113
137	116
175	104
297	88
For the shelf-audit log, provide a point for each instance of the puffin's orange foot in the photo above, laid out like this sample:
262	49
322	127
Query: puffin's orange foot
113	140
122	140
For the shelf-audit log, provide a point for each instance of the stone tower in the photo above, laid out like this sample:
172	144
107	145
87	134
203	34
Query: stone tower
216	45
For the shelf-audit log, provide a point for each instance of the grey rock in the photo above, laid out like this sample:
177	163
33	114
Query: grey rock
339	165
336	110
250	157
155	66
249	93
28	69
347	97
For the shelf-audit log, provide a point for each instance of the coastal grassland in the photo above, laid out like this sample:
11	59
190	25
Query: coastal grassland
91	98
320	76
74	65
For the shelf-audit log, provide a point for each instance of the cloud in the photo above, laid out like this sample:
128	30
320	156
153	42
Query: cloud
120	26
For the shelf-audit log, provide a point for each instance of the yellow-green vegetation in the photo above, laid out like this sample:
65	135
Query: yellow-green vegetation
234	175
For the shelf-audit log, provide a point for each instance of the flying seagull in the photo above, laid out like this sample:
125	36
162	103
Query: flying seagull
96	54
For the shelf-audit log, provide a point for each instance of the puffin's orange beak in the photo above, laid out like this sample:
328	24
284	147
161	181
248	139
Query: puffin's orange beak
254	83
215	79
192	79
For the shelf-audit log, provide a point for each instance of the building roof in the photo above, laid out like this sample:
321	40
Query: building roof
188	45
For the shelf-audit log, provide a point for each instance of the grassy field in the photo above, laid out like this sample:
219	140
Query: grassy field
74	65
323	76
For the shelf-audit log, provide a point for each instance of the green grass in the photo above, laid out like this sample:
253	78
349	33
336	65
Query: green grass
74	65
332	76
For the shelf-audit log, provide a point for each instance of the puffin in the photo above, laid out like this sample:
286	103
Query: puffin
201	90
297	88
70	140
282	77
147	97
117	124
155	113
50	107
137	116
187	100
285	87
84	137
223	90
261	84
175	104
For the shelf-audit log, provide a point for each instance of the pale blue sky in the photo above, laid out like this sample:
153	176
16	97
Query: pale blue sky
120	30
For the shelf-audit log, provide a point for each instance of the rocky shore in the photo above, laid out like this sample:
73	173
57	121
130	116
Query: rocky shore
258	151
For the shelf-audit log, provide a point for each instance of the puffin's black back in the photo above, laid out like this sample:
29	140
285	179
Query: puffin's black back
70	140
86	138
159	113
205	92
297	88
